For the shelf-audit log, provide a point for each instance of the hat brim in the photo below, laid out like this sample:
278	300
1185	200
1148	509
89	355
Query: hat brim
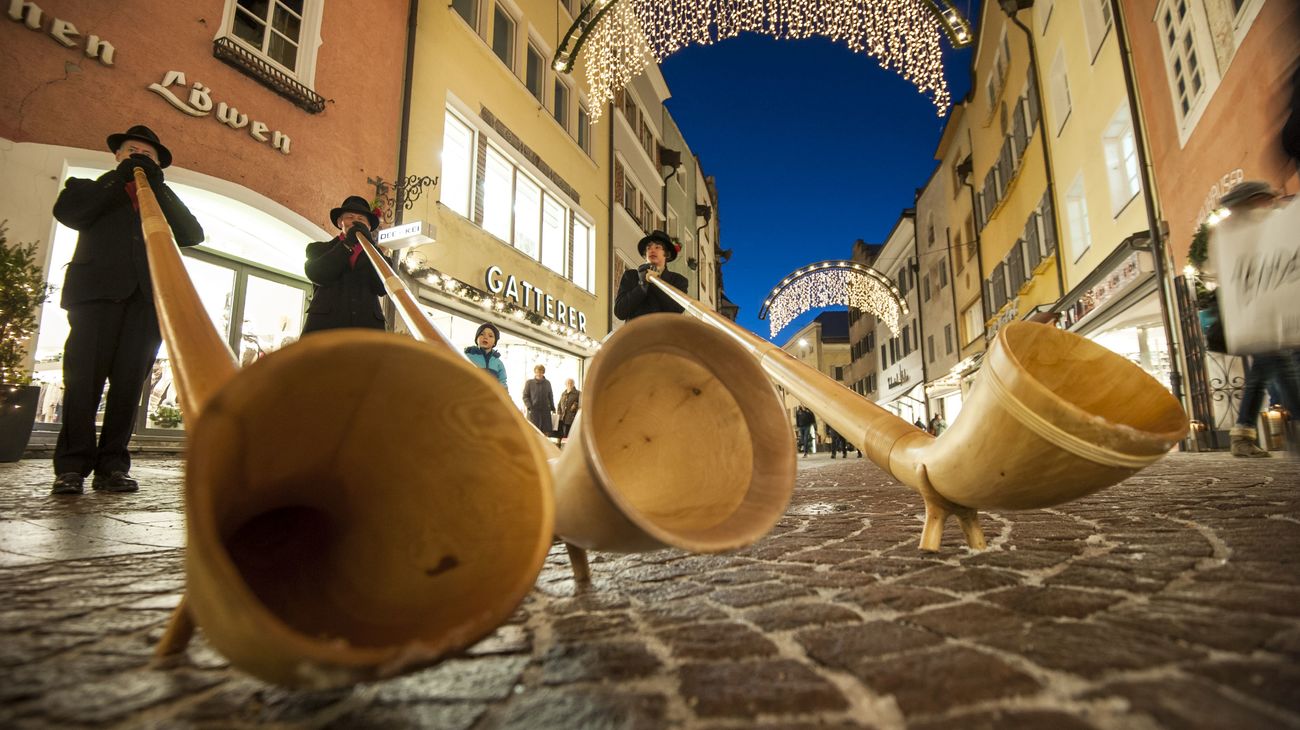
164	155
670	248
370	216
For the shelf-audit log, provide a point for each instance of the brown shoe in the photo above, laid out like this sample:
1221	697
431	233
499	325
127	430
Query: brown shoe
1244	444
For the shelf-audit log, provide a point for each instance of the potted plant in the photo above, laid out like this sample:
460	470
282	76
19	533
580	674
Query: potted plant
22	291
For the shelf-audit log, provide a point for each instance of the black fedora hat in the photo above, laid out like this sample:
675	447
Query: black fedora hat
355	204
143	134
661	238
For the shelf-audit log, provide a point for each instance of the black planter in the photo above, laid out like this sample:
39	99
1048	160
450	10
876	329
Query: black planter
17	415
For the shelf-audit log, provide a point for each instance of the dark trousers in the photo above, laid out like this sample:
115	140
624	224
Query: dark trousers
113	341
1278	369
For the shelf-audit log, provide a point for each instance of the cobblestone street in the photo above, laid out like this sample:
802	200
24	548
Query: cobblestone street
1169	601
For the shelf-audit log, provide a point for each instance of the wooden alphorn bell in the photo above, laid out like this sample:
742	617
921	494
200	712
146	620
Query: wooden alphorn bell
681	441
358	505
1052	417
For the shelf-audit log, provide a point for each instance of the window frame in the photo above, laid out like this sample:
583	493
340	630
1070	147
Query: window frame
500	11
1123	172
309	39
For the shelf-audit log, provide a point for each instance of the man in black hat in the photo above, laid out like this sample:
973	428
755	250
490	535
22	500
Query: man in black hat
113	328
636	296
347	287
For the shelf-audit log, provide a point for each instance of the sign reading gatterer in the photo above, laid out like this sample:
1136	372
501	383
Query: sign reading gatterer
534	299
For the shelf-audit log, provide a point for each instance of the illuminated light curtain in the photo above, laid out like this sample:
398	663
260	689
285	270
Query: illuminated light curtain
903	35
827	287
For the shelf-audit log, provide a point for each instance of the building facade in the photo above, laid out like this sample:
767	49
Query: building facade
936	303
267	117
822	344
521	207
902	373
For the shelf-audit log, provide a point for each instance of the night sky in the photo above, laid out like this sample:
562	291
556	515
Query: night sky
813	146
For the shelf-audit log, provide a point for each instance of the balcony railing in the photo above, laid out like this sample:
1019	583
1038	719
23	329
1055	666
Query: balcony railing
249	63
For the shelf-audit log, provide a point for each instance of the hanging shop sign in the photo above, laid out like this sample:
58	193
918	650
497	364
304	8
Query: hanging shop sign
893	381
406	235
198	103
532	298
1134	269
62	31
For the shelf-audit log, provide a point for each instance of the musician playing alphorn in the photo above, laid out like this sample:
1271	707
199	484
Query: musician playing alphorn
635	294
347	287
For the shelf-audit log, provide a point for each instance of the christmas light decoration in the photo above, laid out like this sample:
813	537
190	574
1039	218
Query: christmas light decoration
417	267
832	283
623	37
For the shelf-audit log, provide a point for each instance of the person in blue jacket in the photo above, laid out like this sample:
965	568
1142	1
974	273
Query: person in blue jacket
482	353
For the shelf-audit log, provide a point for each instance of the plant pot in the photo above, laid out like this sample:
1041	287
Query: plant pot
17	415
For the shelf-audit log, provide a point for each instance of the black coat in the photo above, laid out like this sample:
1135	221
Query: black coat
635	299
110	260
343	295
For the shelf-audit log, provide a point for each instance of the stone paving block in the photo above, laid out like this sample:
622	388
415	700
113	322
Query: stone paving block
795	615
116	696
842	647
590	602
1021	559
410	717
682	612
590	626
612	661
1052	601
941	679
579	707
717	641
967	619
961	580
1177	704
1287	642
1274	682
759	593
456	680
509	639
1194	624
1111	578
1006	720
664	591
1272	599
745	689
737	577
1089	649
894	597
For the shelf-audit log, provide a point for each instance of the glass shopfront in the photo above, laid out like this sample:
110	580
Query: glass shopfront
248	273
519	353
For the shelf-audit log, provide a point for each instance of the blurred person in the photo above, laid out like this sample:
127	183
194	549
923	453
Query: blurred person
805	421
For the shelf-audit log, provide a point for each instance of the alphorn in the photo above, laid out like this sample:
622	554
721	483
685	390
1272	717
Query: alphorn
1052	417
681	441
358	505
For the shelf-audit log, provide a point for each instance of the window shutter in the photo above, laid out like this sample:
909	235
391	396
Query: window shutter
1034	106
1049	224
1033	247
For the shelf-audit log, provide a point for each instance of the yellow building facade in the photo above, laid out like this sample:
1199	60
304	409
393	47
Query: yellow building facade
1015	217
520	212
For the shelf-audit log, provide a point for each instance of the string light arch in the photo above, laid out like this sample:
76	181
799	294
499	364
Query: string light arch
623	37
832	283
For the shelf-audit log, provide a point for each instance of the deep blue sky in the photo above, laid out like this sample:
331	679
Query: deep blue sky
813	146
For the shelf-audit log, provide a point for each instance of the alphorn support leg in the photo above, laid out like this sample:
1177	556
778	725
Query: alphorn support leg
937	510
180	629
578	561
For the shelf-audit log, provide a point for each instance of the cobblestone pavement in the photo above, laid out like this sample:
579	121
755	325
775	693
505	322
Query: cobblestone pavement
1169	601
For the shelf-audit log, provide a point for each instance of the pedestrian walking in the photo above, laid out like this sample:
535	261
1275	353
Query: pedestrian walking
539	401
805	421
113	330
636	296
346	287
570	400
937	425
483	352
1255	199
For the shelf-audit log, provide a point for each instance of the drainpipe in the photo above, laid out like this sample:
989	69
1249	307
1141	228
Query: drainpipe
1159	246
979	246
408	80
1011	8
613	201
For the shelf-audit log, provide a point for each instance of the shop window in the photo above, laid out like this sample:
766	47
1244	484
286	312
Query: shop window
584	255
498	191
457	165
535	73
503	36
1076	214
1120	147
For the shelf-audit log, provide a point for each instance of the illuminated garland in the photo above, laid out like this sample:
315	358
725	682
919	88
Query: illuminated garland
415	266
622	39
832	283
